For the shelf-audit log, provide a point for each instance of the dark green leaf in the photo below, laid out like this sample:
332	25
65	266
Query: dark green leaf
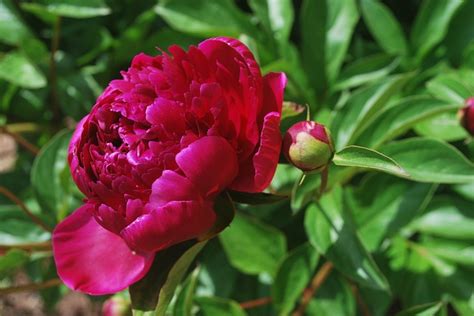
430	160
215	306
16	68
431	24
204	18
184	300
362	107
330	230
430	309
293	276
255	198
447	217
384	27
365	70
277	16
155	290
361	157
382	205
400	118
78	9
253	247
51	178
12	29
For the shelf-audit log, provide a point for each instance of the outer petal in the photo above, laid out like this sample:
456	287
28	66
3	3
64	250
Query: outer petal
168	225
256	174
93	260
77	172
273	89
210	163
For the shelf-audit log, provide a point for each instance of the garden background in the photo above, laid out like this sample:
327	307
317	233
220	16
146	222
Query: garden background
388	75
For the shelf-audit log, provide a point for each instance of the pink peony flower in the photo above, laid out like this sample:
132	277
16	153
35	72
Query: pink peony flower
466	115
154	152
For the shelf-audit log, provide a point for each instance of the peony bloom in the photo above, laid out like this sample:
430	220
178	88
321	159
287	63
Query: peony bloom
308	146
466	115
156	149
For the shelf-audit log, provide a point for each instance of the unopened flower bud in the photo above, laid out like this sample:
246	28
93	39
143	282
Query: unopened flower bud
308	146
466	115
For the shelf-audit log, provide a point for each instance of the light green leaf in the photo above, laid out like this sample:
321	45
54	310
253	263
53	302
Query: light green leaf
276	16
362	107
384	27
444	126
335	297
449	88
430	309
361	157
12	29
461	252
341	20
16	228
205	18
381	205
400	118
184	300
253	247
293	276
430	160
79	9
330	230
17	69
216	306
156	289
431	24
447	217
365	70
51	178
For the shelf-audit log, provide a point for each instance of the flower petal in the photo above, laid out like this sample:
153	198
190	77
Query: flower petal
210	163
273	89
172	187
170	224
256	174
93	260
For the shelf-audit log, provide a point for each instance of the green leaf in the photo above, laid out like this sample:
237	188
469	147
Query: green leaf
276	16
430	160
384	27
431	25
255	198
362	107
330	230
313	17
51	178
155	290
17	69
204	18
444	126
16	228
79	9
400	118
361	157
341	20
12	29
253	247
216	306
447	217
335	297
449	88
293	276
382	205
365	70
430	309
11	261
460	252
184	300
291	109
